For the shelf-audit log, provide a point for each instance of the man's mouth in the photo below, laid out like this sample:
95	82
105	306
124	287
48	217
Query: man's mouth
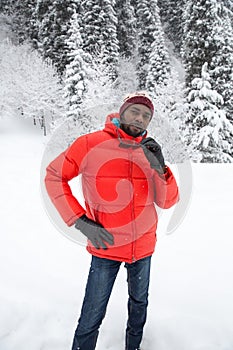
136	126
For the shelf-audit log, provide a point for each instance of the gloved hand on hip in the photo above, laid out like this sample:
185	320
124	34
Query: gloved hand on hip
95	232
153	153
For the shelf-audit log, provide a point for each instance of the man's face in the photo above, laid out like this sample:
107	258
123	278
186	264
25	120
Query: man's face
135	119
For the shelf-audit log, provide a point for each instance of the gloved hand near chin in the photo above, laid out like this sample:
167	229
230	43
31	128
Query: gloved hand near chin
95	232
153	153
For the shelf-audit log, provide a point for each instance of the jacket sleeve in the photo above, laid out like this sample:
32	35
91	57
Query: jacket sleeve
166	189
58	173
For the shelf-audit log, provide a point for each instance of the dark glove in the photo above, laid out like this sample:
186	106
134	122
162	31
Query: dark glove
95	232
154	154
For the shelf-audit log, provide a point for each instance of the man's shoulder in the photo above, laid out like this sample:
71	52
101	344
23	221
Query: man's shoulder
92	138
97	136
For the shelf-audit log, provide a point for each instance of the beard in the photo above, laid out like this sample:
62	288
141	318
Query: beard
132	129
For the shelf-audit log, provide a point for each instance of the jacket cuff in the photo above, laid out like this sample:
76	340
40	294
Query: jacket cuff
74	218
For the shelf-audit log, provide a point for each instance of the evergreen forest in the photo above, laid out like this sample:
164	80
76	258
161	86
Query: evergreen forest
74	60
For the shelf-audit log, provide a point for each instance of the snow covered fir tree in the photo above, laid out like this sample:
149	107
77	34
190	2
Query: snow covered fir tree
76	70
126	28
181	52
209	40
209	133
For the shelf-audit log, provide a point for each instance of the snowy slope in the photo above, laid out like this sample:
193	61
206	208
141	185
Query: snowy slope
43	274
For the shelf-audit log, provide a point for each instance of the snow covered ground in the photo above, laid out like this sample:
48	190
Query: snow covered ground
43	274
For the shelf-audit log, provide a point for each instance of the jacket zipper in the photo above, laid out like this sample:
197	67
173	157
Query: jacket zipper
132	206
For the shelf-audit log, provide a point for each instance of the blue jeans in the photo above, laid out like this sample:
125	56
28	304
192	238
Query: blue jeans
101	279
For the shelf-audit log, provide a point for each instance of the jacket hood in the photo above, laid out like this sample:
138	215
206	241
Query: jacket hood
112	126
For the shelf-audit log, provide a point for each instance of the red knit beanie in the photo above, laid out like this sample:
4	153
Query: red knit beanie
139	97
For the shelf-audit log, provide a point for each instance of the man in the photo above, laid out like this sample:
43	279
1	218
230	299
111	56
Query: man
123	175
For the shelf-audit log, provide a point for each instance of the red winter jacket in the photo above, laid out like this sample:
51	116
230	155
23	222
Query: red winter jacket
119	188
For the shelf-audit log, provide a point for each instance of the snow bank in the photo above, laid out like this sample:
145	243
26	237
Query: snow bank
43	274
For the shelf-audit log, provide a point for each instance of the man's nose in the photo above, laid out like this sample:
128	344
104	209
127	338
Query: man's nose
139	117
